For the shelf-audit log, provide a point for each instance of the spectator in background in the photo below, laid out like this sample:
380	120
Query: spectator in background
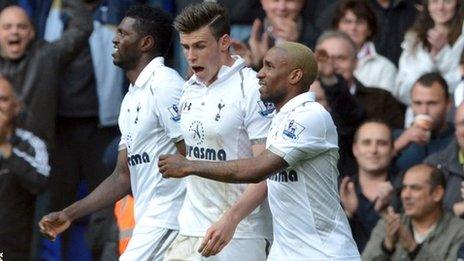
24	170
347	113
451	160
356	18
430	132
459	92
425	231
34	65
366	195
283	21
394	17
376	102
434	43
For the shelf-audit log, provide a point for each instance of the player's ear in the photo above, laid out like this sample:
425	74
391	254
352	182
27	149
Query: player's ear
295	76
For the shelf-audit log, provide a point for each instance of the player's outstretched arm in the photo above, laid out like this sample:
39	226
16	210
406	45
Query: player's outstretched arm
251	170
109	191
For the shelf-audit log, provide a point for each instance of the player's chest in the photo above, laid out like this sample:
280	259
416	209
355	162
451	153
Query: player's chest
210	116
138	114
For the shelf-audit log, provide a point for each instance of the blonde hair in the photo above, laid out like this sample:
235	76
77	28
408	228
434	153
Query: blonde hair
301	57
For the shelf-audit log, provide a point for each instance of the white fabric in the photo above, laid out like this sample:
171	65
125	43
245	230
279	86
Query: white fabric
374	70
309	222
186	248
416	61
148	243
219	122
149	127
459	94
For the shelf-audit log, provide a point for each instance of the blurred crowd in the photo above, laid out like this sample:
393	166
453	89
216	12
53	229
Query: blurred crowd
391	74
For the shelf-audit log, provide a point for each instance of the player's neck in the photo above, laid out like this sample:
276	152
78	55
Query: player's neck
134	73
290	95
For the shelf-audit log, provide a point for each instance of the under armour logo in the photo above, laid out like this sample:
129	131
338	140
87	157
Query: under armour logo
218	115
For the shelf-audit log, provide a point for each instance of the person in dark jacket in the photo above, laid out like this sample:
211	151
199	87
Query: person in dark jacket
377	103
34	65
451	160
347	113
430	131
24	170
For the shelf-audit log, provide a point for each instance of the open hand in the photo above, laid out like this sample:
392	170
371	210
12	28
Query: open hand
218	236
53	224
348	197
393	223
285	28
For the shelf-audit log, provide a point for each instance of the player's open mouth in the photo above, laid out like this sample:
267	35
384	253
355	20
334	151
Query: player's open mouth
197	69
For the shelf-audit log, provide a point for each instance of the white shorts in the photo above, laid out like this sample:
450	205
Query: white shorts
186	248
148	243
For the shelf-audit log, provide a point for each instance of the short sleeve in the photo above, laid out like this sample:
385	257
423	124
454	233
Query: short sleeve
167	107
304	135
121	124
122	144
258	115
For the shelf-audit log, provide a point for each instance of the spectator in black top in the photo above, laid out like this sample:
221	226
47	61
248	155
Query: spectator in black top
283	21
366	195
24	170
377	103
347	113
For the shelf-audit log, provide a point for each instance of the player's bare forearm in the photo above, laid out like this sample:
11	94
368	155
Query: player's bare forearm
113	188
236	171
253	196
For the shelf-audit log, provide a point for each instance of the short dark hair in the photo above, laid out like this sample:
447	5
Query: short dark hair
154	22
436	178
196	16
374	120
429	79
360	9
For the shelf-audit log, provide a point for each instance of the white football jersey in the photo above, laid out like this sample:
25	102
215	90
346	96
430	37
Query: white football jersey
219	123
149	124
309	222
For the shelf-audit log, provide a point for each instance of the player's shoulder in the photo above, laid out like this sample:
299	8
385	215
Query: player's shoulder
310	112
248	82
166	78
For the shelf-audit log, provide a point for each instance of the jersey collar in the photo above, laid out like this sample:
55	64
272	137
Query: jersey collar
298	100
147	72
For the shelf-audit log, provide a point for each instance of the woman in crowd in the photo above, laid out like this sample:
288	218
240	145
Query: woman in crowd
434	43
356	18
